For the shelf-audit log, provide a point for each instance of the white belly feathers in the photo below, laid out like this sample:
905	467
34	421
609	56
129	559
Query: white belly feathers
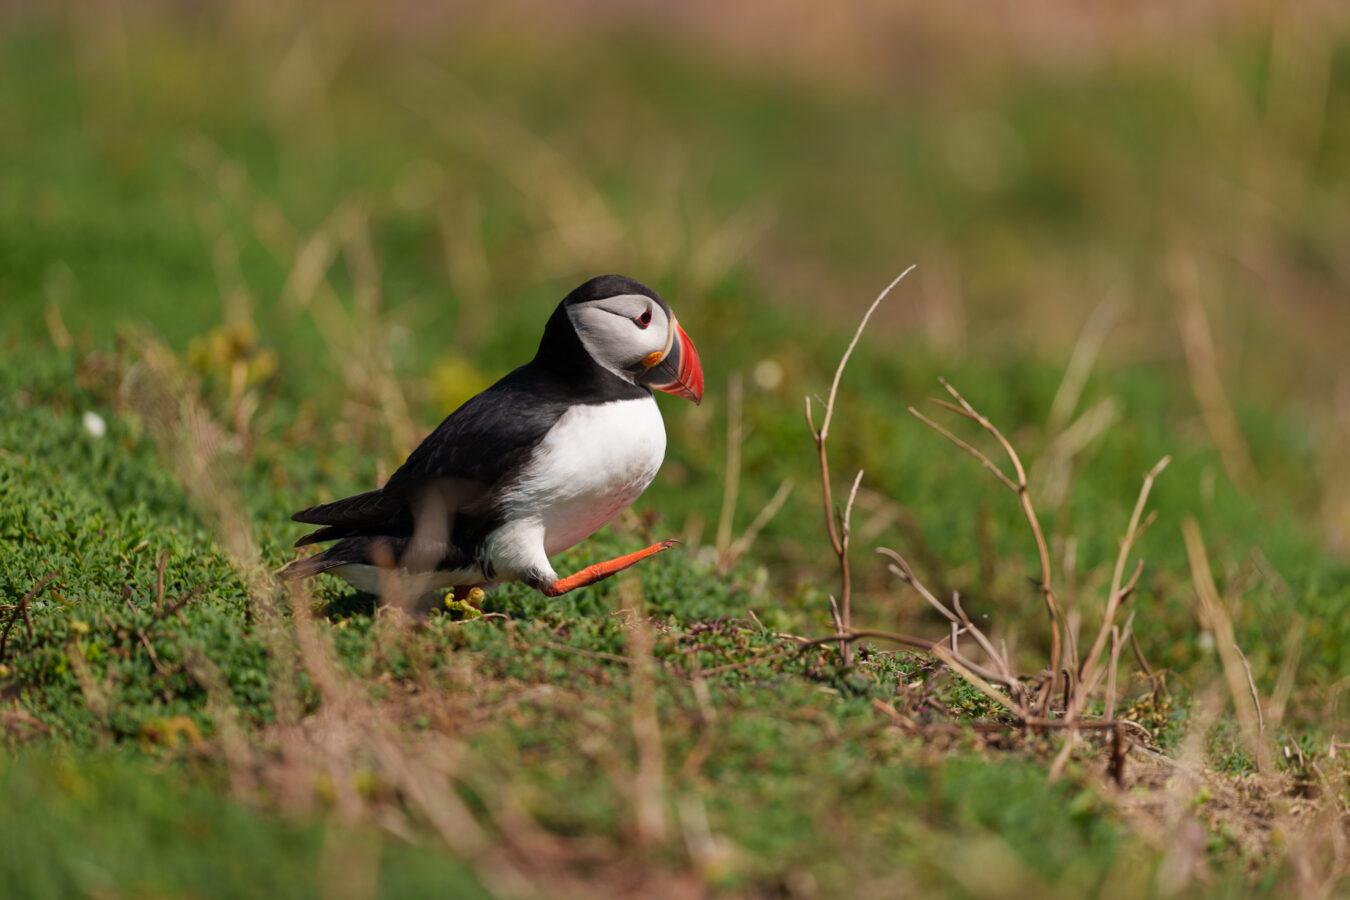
590	467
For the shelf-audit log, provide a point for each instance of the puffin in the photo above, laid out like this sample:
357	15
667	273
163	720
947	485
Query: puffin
530	467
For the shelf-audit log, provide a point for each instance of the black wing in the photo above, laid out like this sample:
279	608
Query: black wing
471	455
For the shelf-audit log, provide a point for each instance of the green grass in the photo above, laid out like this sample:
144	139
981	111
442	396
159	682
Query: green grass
123	829
170	190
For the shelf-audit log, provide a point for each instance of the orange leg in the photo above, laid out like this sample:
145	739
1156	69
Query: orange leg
602	570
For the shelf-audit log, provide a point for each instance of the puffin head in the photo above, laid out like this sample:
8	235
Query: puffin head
629	330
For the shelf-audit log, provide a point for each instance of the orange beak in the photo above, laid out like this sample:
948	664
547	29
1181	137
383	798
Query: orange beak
679	372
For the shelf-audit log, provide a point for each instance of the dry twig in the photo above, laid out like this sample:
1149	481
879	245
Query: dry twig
1018	486
21	609
839	533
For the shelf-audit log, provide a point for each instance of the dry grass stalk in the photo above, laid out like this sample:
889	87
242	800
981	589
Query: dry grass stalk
1120	589
741	545
730	550
839	532
959	666
1256	696
224	715
1166	817
649	803
1284	682
1202	359
56	327
1215	619
731	485
707	718
1081	362
1053	476
1019	487
1118	638
1069	438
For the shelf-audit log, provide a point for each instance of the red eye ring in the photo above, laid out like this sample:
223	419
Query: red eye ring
645	319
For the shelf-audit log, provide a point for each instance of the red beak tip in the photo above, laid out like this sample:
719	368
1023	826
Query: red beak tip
687	382
691	369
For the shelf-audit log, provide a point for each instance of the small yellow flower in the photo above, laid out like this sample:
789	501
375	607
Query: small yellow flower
79	626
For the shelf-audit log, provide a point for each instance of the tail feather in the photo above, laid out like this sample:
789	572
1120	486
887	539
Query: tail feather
305	567
352	510
380	550
349	550
326	533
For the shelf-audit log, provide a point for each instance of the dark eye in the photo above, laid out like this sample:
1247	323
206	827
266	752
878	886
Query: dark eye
645	319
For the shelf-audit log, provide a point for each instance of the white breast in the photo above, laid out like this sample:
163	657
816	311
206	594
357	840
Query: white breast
594	462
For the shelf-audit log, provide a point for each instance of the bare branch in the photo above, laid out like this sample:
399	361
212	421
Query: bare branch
834	614
846	527
1130	585
839	372
839	534
984	460
1000	659
902	570
1139	657
1029	511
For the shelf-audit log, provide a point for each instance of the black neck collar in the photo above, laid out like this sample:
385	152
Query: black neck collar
562	354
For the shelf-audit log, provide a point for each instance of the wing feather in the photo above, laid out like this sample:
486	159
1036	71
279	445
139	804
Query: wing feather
473	454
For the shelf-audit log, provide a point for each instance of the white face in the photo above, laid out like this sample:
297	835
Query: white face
621	332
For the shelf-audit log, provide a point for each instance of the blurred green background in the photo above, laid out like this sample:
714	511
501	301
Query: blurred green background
1130	224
